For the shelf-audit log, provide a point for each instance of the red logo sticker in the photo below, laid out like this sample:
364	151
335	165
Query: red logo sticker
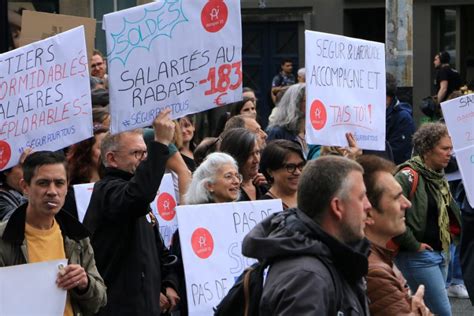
214	15
5	154
318	115
202	243
166	204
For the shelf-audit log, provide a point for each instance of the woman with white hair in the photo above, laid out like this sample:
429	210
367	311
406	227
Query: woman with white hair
287	120
216	180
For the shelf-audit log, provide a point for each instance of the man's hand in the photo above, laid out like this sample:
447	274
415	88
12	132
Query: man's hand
424	247
353	151
418	306
72	276
164	127
164	303
173	297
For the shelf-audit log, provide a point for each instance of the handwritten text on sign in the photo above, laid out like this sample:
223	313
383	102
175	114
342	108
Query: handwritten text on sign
345	90
211	241
459	116
44	96
155	63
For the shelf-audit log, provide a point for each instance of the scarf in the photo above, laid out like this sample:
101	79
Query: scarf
438	188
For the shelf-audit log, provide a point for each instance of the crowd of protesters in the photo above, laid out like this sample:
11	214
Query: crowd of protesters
362	232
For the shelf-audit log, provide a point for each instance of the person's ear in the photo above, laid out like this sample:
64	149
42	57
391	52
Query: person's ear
336	208
111	160
209	186
371	216
24	187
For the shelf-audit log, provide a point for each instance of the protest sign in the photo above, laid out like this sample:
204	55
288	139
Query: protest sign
211	240
182	55
459	117
82	194
345	90
163	206
164	209
45	101
36	26
31	289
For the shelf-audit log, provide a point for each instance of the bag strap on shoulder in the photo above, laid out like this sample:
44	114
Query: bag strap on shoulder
414	183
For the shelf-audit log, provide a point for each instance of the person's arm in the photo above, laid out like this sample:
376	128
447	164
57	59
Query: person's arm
386	294
90	296
178	166
443	89
133	197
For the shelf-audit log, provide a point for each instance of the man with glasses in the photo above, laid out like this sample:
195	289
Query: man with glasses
123	237
98	65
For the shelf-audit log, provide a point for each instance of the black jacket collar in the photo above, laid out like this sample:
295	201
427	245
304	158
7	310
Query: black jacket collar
15	228
117	173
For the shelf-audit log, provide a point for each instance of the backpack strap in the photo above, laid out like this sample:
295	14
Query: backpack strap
247	291
335	281
414	183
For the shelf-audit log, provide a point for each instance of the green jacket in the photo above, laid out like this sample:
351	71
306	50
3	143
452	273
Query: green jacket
13	251
416	215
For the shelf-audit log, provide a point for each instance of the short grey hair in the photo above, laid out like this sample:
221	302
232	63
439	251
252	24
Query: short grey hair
428	136
322	180
287	113
301	72
112	143
206	173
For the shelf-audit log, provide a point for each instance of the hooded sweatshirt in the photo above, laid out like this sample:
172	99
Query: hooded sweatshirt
311	272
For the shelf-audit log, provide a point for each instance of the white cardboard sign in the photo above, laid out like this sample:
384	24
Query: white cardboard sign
30	289
211	244
345	90
45	101
182	55
163	206
459	117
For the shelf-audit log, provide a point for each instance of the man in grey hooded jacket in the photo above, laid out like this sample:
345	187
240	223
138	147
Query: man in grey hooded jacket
317	252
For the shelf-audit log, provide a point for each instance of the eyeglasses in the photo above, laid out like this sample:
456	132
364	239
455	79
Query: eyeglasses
291	167
231	176
139	154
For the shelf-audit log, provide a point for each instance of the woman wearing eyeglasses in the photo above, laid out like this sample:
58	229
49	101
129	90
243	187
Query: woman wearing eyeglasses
216	180
282	162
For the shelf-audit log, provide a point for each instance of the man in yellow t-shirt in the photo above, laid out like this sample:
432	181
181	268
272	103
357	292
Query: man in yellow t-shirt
40	231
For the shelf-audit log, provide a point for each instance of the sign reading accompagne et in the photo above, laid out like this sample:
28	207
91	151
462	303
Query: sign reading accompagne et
45	101
459	116
211	244
163	206
345	90
183	55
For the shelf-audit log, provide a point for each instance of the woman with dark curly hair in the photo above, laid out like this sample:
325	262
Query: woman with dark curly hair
282	162
433	221
83	158
83	165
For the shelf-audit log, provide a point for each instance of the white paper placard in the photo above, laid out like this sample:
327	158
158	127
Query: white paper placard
45	101
211	244
345	90
30	289
459	117
182	55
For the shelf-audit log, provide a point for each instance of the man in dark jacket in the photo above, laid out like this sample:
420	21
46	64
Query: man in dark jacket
123	235
40	230
317	252
400	125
